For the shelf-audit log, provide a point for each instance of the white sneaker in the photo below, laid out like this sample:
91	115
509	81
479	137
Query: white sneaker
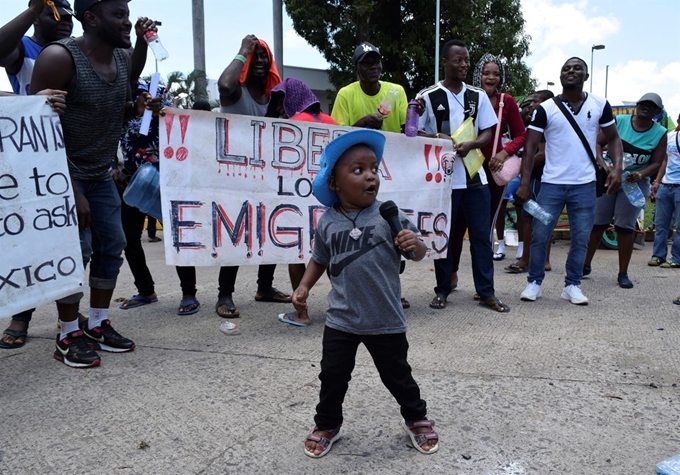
574	295
230	328
531	292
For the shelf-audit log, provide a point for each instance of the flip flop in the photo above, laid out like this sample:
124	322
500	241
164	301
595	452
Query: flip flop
231	308
438	302
16	334
495	304
186	303
273	295
137	301
288	318
516	268
675	301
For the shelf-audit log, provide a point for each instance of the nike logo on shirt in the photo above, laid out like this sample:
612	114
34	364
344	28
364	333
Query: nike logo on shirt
339	266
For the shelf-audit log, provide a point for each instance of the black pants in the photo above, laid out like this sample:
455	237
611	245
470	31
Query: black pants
389	355
151	227
227	279
133	226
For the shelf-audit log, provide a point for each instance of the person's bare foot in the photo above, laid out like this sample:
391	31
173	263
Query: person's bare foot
19	326
301	316
547	267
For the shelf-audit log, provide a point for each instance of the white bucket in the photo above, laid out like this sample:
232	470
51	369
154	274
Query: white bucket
511	237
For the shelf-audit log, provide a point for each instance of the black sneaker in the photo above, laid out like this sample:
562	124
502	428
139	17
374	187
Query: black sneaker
74	351
105	338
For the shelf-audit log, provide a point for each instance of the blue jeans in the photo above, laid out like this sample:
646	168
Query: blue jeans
475	202
104	240
580	202
666	215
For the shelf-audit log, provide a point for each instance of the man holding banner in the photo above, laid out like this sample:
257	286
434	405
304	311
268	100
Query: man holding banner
245	88
447	105
94	66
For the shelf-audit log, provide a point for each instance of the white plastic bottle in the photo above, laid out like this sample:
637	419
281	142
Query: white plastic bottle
537	211
156	46
388	102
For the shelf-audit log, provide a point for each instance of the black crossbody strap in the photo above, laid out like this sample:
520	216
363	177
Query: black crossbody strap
577	129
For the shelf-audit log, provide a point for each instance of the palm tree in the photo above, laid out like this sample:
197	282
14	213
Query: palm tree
184	87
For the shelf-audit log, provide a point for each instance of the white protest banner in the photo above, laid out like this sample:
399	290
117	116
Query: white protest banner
41	259
236	190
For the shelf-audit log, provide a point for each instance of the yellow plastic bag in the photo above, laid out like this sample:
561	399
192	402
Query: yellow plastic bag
466	133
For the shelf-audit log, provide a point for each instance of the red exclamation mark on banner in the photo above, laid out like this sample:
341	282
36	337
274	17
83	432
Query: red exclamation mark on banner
183	152
169	119
428	175
437	156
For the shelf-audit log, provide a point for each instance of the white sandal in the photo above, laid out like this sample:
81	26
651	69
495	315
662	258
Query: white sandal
417	440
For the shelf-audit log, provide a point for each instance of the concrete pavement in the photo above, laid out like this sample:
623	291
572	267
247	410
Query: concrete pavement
548	388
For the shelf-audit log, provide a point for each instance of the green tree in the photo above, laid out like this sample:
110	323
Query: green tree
404	32
183	87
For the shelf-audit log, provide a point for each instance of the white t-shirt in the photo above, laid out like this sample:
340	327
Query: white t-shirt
486	118
566	160
672	175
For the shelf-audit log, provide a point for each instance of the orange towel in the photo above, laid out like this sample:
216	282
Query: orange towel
273	77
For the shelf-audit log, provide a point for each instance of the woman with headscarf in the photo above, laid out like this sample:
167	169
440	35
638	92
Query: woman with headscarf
490	75
292	99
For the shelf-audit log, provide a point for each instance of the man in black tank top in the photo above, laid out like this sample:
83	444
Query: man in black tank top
93	69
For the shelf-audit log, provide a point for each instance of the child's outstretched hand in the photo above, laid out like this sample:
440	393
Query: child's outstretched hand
300	299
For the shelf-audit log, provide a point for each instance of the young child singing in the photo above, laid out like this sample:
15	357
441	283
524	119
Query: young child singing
363	256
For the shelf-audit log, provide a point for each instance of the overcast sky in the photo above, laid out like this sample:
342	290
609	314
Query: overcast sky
640	38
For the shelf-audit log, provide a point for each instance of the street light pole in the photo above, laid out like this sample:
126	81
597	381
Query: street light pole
436	44
592	50
606	80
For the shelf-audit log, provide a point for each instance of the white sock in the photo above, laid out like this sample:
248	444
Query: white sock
520	250
501	246
68	327
97	316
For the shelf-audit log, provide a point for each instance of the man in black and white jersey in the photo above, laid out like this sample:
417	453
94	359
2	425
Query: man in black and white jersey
447	105
569	175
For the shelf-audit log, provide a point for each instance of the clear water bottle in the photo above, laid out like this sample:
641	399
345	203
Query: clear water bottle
628	160
411	128
156	46
633	192
537	211
669	467
388	102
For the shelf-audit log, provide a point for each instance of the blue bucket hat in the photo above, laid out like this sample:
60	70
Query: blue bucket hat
371	138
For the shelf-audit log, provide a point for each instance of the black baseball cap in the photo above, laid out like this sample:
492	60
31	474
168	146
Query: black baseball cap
63	7
364	49
84	5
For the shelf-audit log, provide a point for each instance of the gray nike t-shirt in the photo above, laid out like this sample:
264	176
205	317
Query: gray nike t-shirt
365	298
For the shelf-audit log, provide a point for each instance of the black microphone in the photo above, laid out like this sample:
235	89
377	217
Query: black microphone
390	213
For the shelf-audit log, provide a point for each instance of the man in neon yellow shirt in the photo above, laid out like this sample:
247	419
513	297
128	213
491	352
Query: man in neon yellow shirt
369	102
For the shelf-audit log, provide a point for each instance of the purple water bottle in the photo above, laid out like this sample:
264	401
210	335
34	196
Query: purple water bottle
411	128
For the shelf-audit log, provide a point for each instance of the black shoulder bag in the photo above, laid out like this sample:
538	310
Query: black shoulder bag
600	172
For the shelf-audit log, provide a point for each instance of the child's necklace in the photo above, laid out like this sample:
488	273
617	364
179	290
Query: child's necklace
355	233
